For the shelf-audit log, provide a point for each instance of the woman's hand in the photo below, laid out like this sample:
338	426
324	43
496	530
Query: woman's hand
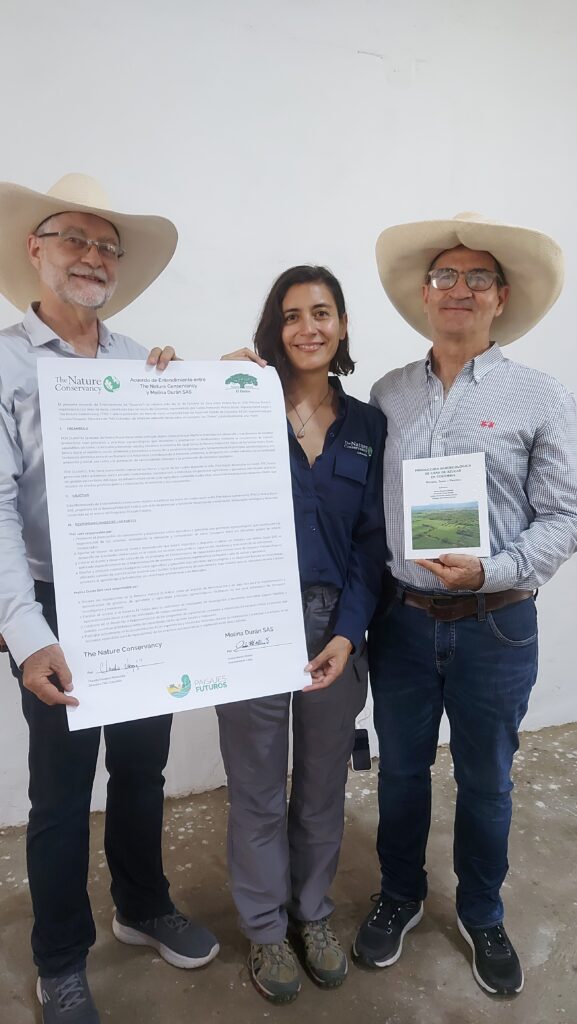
245	353
328	665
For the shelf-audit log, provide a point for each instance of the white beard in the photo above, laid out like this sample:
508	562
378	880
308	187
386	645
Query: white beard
75	290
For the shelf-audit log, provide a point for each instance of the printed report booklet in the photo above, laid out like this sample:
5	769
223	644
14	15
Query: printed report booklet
445	506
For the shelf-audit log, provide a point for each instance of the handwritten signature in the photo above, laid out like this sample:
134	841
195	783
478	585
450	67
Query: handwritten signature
242	645
107	666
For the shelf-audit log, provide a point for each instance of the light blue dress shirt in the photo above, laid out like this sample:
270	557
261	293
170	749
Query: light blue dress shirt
526	423
24	536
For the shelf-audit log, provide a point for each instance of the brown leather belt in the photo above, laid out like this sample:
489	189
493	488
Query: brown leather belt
454	606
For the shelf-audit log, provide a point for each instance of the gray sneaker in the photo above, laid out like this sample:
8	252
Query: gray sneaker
274	971
179	940
325	958
67	1000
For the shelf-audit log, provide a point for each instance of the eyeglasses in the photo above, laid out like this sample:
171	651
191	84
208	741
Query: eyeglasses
78	245
479	280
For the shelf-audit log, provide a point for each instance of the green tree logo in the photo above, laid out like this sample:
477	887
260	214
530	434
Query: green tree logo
244	380
110	384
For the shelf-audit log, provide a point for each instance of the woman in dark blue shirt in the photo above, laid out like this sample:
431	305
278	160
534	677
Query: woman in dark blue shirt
281	865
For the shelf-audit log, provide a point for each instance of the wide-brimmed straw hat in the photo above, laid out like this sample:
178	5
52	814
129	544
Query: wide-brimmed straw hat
532	263
149	242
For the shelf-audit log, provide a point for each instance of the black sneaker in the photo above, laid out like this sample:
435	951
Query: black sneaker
496	965
180	941
379	940
67	1000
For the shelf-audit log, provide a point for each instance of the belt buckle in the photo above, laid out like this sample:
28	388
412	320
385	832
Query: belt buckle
443	602
439	605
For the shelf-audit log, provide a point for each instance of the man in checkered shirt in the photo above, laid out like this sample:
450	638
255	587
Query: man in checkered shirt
460	634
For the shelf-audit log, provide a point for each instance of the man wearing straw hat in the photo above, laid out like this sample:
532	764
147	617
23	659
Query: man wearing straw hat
461	631
69	261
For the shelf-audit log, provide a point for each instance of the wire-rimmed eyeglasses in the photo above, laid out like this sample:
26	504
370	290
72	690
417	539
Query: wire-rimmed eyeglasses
79	245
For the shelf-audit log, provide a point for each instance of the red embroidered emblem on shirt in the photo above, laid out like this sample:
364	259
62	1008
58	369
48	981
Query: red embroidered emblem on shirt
487	423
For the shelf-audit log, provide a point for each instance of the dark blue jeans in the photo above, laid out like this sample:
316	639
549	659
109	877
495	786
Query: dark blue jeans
481	673
62	766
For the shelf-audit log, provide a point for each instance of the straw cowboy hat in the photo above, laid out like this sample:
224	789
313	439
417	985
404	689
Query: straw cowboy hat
149	242
532	264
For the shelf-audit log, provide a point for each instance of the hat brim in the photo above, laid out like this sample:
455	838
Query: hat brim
532	262
149	243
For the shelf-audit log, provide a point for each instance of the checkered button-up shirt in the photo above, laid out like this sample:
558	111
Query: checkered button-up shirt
526	423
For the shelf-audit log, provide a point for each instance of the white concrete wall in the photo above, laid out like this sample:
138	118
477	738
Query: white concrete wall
284	131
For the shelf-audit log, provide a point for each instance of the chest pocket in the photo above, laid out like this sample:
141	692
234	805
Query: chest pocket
351	466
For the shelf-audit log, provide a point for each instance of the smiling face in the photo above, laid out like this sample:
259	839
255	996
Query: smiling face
86	279
312	327
459	312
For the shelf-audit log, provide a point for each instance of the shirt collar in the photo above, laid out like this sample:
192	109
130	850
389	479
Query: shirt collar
41	334
338	387
487	361
479	366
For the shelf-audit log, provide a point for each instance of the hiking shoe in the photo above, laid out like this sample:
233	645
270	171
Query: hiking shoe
67	1000
179	940
325	958
274	971
379	940
495	964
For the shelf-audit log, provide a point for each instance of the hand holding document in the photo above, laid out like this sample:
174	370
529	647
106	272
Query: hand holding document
445	506
172	532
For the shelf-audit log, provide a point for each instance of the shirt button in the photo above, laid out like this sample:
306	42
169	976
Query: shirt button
313	528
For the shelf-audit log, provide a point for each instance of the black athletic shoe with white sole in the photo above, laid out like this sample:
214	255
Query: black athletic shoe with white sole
67	999
379	940
180	941
495	965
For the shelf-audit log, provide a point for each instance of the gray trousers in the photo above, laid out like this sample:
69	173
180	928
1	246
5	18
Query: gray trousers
284	863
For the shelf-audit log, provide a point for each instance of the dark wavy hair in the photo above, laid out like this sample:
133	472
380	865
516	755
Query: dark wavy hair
267	338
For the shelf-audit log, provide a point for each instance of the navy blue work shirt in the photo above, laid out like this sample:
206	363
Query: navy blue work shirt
338	505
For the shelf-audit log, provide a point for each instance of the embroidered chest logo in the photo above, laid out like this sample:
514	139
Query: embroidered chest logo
487	423
359	448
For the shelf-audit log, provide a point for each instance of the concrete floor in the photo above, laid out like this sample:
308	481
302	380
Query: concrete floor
431	984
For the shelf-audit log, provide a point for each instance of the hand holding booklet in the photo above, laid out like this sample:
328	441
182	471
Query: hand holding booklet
445	506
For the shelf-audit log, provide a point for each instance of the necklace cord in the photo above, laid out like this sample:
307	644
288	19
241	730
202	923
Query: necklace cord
303	423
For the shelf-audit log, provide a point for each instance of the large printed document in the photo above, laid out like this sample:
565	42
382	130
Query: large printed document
172	531
445	506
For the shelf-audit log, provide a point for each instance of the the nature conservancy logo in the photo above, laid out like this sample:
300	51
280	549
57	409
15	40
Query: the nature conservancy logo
204	685
241	381
181	689
359	448
73	382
